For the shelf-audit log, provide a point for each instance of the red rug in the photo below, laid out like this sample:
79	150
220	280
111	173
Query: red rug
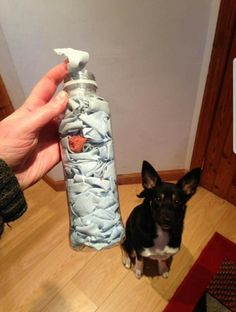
214	272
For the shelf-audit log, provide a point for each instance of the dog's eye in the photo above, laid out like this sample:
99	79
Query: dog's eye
175	199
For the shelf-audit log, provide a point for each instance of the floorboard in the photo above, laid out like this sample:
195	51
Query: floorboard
40	272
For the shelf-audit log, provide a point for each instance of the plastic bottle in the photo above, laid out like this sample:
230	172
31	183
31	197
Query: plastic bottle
88	160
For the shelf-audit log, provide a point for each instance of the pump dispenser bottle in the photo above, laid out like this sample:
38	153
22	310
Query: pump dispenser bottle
88	160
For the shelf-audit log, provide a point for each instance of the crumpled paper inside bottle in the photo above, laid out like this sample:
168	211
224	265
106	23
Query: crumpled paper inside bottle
88	162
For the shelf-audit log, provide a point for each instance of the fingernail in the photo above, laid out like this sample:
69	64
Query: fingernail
61	97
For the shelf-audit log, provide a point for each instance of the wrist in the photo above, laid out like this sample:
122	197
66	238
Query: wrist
7	157
21	181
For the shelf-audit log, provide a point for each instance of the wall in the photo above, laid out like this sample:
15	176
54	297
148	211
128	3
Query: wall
150	59
202	78
9	74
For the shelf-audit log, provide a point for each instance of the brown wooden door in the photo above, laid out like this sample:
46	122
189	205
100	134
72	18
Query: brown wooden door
214	141
219	171
6	107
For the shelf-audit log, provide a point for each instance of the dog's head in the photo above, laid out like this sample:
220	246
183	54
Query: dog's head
168	200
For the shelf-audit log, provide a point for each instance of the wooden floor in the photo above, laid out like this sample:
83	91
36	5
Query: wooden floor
40	272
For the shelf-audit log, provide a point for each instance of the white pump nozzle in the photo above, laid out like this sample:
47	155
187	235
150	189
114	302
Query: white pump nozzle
77	59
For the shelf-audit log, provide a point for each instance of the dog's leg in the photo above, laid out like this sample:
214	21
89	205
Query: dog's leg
138	268
163	268
126	259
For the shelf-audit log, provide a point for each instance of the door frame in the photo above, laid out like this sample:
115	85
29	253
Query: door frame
220	51
6	107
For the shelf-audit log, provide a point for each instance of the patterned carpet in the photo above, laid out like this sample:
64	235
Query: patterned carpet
223	285
210	286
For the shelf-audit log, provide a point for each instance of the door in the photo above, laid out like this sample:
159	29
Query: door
213	149
6	107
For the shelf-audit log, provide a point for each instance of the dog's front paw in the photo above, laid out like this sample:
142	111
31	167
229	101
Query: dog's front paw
126	262
138	268
138	273
163	268
165	274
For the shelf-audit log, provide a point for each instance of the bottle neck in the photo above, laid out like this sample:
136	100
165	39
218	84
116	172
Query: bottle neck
81	82
80	89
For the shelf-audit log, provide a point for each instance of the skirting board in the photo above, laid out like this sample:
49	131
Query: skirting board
130	178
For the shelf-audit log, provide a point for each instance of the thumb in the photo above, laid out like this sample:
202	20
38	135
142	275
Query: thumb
49	111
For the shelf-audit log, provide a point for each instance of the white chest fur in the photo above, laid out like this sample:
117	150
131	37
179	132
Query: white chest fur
160	249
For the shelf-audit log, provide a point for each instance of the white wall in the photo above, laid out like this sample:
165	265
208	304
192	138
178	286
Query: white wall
9	74
148	58
202	78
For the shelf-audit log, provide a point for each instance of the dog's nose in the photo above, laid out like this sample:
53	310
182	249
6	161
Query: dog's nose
167	220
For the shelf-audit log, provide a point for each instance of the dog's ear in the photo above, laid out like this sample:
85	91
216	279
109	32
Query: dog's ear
189	182
150	177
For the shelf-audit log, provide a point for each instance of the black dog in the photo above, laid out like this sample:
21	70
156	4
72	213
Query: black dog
154	228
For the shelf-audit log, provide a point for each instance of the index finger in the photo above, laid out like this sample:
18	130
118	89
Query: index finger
46	87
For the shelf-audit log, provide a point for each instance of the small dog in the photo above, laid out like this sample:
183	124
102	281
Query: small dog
154	228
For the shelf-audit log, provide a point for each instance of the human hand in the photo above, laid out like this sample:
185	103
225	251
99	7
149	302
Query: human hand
29	136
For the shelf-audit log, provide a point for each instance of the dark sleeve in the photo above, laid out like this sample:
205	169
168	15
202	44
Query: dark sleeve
12	200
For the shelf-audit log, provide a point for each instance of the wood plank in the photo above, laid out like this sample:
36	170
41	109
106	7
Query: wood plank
131	295
6	107
42	272
221	45
231	196
71	299
22	228
42	282
101	275
227	167
222	122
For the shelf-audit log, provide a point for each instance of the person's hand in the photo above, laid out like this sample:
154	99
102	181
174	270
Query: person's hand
29	136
